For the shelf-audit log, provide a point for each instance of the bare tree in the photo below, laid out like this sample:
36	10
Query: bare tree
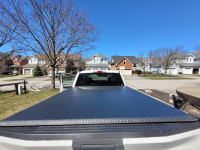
8	30
144	62
197	49
166	56
52	27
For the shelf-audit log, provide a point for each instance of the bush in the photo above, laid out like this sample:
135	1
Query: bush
16	74
139	72
37	71
148	72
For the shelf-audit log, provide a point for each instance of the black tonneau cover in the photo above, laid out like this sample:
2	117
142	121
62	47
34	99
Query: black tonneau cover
98	105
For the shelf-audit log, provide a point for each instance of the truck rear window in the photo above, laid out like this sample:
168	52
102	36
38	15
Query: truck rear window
99	79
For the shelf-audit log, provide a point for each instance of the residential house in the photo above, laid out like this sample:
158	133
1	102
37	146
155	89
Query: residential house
33	60
5	62
144	64
182	64
97	62
197	58
61	68
17	62
72	64
75	63
126	64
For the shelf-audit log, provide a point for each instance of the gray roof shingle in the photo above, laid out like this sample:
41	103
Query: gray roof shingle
100	55
117	59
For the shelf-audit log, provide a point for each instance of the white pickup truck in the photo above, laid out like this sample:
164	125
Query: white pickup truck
100	112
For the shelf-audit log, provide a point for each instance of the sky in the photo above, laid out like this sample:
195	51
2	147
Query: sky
128	27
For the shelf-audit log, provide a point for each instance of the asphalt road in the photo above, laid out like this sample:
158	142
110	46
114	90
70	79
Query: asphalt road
168	86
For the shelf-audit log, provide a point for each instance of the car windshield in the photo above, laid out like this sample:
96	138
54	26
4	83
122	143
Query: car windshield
99	79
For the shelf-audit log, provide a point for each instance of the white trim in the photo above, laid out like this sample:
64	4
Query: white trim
41	143
28	69
163	139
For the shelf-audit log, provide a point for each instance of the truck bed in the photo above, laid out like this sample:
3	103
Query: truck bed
98	105
104	118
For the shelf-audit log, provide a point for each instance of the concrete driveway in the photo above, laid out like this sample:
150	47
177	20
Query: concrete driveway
168	86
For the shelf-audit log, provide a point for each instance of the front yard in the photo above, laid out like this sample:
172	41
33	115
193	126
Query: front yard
165	77
5	76
11	103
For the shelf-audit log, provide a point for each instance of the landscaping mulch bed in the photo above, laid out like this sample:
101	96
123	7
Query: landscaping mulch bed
167	98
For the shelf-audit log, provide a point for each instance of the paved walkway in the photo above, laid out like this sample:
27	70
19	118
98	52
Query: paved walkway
168	86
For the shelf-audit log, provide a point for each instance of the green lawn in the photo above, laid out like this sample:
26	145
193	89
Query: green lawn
4	76
11	103
164	77
168	78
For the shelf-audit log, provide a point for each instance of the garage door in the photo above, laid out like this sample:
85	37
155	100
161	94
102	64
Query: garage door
27	72
126	72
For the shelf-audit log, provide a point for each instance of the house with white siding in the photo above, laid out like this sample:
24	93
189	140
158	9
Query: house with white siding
183	64
33	60
97	62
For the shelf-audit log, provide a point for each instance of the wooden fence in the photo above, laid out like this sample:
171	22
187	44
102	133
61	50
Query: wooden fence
16	86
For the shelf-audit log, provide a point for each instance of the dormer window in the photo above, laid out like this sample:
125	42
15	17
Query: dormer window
124	62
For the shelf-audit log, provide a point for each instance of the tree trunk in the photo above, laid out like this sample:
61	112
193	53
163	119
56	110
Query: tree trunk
144	71
166	70
53	77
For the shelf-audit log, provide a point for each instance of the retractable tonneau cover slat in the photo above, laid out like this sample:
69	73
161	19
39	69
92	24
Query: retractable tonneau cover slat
98	105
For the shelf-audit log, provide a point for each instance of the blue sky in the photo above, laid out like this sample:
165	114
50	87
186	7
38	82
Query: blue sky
130	26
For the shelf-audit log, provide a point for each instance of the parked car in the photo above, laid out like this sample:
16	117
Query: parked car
56	75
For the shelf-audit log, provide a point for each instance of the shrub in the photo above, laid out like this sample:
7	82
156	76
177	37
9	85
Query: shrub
37	71
138	71
16	74
148	72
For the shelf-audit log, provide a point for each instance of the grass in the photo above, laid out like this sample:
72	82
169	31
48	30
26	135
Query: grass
168	78
5	76
11	103
164	77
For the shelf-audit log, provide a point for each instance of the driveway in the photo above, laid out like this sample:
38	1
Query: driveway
34	84
168	86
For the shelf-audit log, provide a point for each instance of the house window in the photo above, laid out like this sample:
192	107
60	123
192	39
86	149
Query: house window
124	62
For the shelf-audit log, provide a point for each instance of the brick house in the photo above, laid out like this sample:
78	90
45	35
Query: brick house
125	64
73	63
5	62
17	62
